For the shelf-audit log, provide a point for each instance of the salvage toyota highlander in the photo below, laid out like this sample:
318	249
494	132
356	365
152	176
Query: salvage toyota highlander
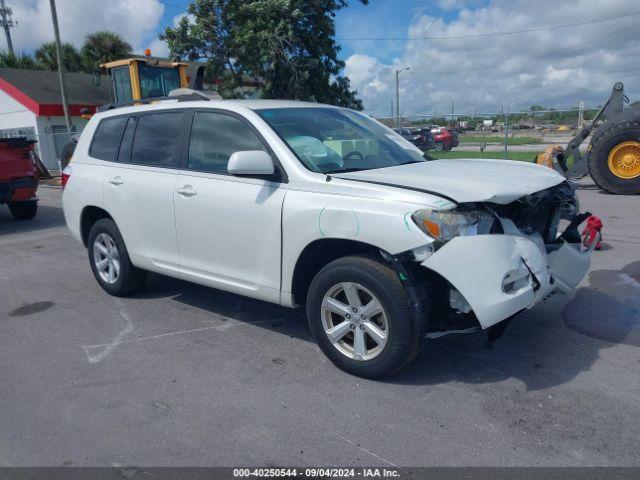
324	208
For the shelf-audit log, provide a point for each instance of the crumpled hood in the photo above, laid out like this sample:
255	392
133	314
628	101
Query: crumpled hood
466	180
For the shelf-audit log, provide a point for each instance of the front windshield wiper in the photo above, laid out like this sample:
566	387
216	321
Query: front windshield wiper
345	170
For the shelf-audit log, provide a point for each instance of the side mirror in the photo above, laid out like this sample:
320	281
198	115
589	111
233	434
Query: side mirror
250	162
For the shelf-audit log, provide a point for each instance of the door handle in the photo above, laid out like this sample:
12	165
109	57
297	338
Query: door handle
186	191
117	181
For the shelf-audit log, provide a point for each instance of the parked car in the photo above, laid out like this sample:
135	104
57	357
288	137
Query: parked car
424	139
420	137
322	208
18	177
444	138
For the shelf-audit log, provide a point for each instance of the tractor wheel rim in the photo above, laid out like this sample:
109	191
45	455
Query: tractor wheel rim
624	160
355	321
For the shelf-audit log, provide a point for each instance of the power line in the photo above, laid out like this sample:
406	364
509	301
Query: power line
172	5
492	34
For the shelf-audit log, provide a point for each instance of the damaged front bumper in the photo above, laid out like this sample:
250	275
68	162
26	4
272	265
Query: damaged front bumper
501	275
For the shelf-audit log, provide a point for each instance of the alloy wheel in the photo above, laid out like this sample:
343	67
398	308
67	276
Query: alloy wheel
106	258
355	321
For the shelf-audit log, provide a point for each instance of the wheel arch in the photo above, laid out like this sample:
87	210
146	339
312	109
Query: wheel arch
90	215
319	253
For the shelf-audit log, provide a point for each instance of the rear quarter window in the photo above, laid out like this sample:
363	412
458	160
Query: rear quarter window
106	140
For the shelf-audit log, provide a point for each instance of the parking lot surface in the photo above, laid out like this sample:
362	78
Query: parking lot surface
183	375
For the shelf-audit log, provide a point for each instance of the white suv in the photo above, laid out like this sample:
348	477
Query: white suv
309	205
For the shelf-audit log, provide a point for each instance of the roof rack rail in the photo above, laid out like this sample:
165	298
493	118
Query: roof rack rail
187	97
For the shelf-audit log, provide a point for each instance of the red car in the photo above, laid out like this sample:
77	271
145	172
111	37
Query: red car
444	138
18	177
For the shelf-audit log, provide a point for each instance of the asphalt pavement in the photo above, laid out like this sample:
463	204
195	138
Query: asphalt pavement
182	375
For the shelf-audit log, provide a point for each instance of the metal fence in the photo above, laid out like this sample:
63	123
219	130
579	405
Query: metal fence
502	133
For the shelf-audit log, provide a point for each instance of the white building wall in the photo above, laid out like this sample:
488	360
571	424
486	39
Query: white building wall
14	115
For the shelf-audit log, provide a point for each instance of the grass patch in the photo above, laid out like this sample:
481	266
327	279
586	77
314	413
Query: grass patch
499	139
520	156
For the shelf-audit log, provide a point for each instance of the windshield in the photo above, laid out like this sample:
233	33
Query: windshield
332	140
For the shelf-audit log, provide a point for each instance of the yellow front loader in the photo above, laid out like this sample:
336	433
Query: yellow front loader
613	155
143	79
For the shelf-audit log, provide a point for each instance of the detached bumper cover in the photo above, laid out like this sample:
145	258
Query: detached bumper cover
500	275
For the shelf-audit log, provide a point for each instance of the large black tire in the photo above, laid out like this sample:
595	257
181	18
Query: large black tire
438	147
402	342
601	146
129	279
24	210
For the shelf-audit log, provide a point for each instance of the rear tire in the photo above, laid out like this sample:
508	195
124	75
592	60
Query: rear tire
599	166
24	210
387	338
110	261
439	146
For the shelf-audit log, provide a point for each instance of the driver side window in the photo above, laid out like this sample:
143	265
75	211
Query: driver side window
215	137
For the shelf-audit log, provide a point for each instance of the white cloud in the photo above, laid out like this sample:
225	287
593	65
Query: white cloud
556	68
134	20
360	68
159	48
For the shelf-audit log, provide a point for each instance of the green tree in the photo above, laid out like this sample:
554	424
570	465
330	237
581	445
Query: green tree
46	57
9	60
288	46
101	47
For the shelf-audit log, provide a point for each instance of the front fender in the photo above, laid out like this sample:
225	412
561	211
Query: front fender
311	216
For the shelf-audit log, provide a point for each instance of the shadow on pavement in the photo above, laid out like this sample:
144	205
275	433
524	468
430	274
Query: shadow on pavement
542	348
47	217
224	304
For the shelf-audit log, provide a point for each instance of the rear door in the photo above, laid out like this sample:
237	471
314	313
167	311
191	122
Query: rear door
228	226
138	188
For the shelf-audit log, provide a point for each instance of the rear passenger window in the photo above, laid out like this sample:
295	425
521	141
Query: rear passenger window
156	139
107	138
215	137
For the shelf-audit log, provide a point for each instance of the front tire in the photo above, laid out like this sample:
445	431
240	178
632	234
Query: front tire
23	210
360	316
439	147
110	261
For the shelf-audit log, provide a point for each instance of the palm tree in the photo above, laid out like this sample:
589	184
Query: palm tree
46	56
101	47
9	60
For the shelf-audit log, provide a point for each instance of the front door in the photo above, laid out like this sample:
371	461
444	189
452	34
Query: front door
228	226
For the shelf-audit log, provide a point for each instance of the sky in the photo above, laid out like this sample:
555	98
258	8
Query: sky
481	69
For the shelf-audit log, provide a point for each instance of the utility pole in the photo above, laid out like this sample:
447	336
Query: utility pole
506	134
398	94
63	92
451	121
580	114
7	23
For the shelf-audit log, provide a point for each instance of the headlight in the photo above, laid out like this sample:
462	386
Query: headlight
443	226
